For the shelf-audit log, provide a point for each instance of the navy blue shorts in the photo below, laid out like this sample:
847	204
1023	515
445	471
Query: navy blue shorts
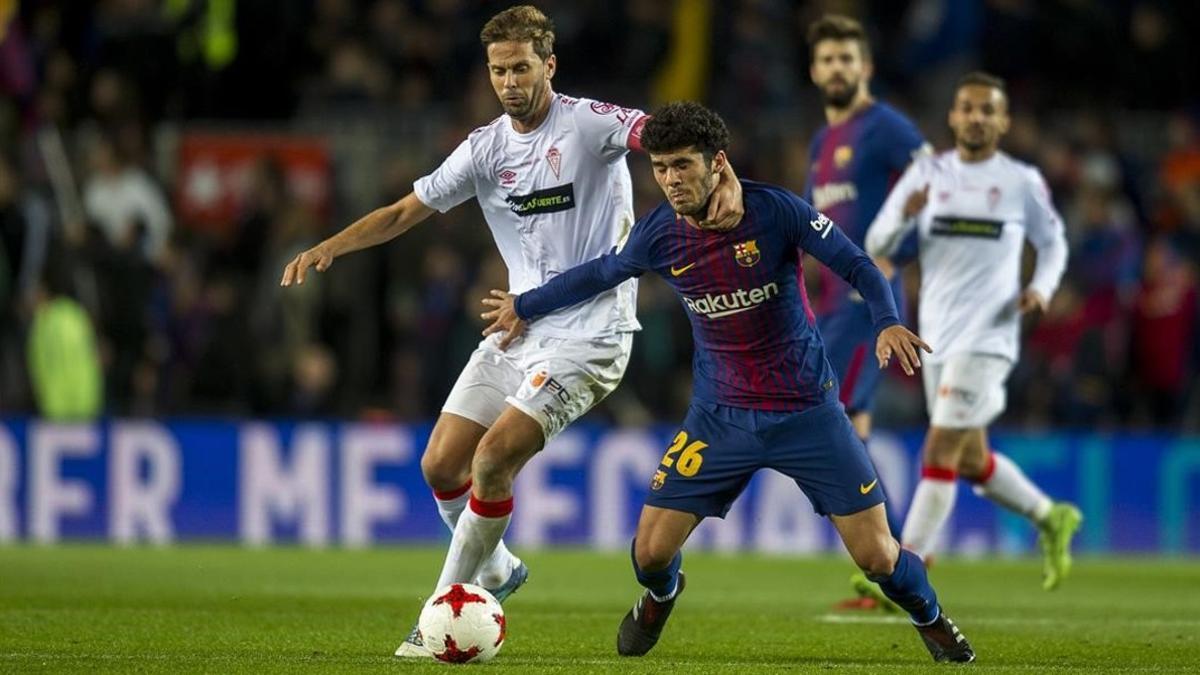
849	338
719	448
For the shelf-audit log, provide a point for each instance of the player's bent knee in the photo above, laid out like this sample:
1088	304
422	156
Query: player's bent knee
944	447
877	564
442	471
652	556
878	559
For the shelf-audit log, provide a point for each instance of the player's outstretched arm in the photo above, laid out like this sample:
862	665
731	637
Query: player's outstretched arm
902	343
379	226
510	312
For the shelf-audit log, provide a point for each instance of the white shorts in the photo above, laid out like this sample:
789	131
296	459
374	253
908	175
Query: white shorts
965	391
553	380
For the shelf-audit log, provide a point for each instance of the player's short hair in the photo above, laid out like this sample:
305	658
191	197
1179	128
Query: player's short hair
523	23
838	27
980	78
685	124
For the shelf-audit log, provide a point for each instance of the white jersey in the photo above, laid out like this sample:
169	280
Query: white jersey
554	198
972	232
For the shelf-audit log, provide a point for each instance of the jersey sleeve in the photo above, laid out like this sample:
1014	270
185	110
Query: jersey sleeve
812	161
904	144
1044	229
890	228
629	258
818	236
450	184
608	130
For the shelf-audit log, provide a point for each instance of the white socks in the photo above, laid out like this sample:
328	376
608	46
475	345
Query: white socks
476	536
932	502
1003	482
497	568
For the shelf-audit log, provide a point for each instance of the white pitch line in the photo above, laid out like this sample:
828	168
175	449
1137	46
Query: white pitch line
1013	621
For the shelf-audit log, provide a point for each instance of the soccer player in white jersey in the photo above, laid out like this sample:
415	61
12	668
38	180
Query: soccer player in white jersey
973	208
551	179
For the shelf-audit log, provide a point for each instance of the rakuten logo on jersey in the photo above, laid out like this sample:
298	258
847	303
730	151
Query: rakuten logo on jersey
725	304
830	194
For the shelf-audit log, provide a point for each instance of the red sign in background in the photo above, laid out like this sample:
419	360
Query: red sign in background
216	172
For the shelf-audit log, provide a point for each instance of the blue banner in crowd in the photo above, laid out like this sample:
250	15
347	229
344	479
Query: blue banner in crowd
360	484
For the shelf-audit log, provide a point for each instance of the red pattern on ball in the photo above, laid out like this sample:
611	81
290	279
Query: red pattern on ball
458	596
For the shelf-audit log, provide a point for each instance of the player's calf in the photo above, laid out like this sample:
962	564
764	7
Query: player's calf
657	569
908	586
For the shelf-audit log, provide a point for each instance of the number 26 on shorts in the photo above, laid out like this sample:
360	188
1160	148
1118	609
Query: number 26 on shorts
689	460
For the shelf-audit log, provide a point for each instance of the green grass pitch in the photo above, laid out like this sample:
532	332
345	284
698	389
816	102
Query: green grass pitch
221	609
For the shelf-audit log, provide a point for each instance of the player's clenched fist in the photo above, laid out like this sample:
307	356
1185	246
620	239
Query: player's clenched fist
916	202
903	343
296	270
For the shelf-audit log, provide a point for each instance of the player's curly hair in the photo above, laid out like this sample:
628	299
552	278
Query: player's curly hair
523	23
838	27
685	124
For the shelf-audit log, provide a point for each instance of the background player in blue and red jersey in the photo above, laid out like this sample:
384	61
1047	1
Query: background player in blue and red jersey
854	161
764	393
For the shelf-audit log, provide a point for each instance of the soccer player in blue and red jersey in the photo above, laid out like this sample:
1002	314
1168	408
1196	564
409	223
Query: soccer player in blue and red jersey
854	161
765	395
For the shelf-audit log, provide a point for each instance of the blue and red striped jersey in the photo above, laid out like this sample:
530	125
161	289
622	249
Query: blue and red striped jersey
853	166
755	346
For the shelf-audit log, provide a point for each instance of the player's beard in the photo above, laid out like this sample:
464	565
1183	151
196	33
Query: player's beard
706	189
841	99
525	110
977	142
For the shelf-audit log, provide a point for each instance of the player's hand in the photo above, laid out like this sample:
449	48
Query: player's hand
317	257
1031	301
916	201
902	343
886	267
503	317
726	208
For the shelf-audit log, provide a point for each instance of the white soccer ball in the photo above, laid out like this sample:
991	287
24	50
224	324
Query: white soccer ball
462	623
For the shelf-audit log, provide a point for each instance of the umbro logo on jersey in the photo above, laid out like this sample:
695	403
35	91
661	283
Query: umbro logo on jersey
507	177
550	200
676	271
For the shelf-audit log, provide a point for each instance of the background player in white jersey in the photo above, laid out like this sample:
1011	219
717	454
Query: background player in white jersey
551	179
974	207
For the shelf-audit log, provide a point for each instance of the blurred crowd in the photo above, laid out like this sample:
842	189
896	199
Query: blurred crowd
114	300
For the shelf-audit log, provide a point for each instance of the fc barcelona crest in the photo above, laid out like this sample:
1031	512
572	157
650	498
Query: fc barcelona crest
842	156
746	253
660	477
